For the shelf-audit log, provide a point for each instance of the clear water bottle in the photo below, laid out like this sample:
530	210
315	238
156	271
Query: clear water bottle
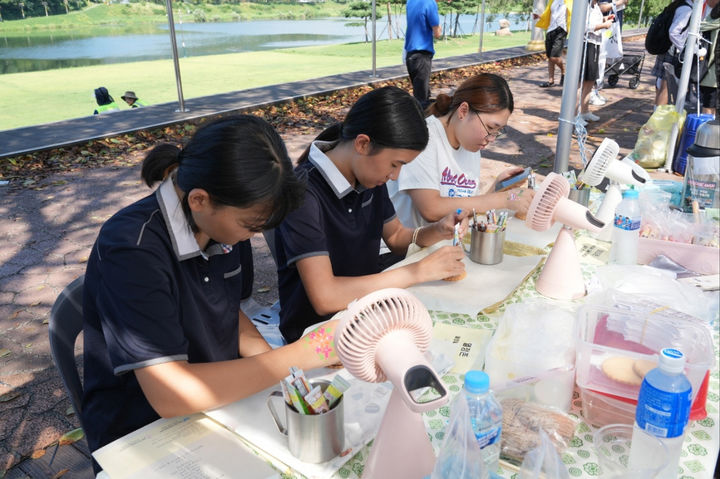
626	229
485	416
663	410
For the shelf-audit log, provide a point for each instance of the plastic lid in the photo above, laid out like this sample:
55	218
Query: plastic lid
477	382
631	193
672	361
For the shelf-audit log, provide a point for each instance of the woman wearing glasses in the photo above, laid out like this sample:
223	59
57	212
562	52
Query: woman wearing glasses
446	175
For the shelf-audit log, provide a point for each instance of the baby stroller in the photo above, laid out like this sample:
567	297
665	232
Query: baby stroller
630	64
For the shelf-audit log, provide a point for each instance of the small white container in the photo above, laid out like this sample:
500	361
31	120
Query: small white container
552	388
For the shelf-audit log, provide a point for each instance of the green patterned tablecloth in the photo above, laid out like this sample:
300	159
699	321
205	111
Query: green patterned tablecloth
702	440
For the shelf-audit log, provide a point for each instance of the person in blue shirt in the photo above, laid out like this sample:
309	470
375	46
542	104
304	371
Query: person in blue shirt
328	250
164	334
423	24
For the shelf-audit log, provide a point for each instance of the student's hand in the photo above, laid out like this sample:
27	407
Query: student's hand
441	264
318	346
445	227
519	199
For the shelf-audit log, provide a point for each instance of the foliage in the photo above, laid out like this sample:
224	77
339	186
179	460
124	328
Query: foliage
12	9
362	10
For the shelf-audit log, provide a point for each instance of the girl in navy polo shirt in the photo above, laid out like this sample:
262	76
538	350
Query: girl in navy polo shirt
163	331
328	249
446	175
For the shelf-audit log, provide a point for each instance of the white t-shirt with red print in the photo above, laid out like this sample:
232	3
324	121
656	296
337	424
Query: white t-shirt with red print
453	172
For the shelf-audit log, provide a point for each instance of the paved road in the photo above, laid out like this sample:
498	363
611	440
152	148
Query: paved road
47	232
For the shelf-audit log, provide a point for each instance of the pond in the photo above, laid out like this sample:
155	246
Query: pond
48	51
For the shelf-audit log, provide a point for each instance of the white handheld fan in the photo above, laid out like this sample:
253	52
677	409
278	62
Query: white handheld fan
561	277
604	165
382	336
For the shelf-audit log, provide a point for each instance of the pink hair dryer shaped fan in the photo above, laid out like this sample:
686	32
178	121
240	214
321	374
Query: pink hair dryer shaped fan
383	336
561	277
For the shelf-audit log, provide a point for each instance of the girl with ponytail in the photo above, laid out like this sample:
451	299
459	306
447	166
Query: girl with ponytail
163	331
328	250
446	175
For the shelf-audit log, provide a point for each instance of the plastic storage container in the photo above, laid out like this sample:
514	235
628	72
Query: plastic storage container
601	409
637	329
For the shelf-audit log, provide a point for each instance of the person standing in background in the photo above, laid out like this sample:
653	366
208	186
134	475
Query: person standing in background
423	24
595	26
556	21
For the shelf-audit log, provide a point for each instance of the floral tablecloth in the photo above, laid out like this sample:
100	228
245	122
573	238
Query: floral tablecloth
702	440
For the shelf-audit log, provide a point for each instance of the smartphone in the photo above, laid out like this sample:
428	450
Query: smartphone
513	180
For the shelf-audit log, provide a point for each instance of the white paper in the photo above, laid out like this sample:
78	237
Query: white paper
483	286
186	447
250	418
518	232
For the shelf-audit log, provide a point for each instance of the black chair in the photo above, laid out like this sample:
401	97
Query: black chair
66	322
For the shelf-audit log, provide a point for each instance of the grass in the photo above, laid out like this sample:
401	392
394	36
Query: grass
46	96
117	15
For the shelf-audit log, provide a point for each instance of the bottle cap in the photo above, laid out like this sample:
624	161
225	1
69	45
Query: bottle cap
672	361
477	382
631	193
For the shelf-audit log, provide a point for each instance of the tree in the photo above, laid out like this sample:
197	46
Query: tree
361	10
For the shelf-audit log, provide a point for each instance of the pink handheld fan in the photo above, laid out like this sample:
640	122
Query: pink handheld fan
561	277
382	336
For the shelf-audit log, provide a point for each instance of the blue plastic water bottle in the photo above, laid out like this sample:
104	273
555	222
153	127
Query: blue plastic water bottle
485	416
663	410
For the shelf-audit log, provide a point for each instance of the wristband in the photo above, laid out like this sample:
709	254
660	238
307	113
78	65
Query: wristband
415	235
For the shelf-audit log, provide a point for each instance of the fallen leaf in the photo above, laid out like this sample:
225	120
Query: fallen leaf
60	473
70	437
9	396
38	453
70	411
4	352
263	289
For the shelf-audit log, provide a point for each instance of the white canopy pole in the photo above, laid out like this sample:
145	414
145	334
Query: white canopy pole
570	87
374	20
691	45
176	63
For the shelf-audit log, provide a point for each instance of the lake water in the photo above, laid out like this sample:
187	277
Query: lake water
51	51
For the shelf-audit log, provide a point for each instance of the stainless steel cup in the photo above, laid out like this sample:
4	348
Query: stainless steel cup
312	438
486	247
580	196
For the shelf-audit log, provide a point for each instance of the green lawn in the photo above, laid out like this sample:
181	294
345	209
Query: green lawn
53	95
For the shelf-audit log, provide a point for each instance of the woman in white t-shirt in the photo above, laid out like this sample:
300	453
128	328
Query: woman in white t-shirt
446	175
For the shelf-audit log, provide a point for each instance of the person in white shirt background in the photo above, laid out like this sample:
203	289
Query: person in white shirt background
595	26
446	175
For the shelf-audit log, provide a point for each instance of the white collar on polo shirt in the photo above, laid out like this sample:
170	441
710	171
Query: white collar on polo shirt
340	185
181	235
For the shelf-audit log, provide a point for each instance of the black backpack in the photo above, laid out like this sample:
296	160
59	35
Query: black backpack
657	39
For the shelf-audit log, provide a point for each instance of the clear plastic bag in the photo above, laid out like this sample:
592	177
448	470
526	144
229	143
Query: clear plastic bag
523	423
543	462
460	456
652	144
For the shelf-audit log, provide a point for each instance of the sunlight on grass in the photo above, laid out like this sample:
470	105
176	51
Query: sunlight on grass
68	93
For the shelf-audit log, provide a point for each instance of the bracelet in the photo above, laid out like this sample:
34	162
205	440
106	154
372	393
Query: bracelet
415	235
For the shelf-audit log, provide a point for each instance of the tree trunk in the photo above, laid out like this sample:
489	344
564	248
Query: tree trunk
457	23
366	32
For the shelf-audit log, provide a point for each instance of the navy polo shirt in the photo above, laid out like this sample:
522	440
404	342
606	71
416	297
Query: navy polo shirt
335	220
152	296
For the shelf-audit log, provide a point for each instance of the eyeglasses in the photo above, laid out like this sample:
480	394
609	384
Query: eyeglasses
491	135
